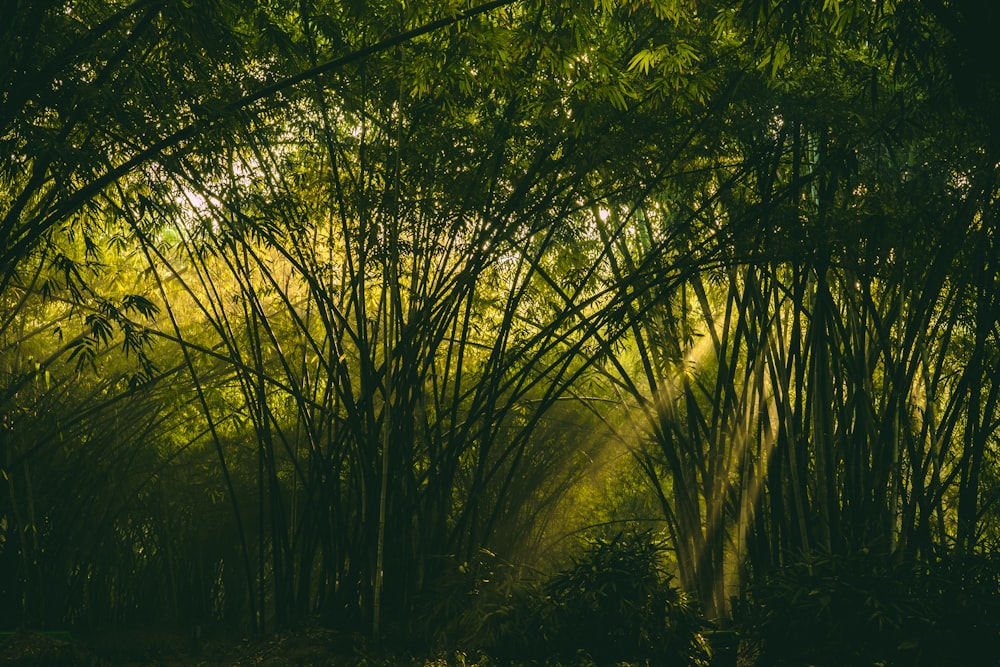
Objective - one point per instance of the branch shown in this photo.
(20, 248)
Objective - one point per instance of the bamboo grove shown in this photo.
(305, 305)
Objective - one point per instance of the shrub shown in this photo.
(864, 609)
(464, 605)
(614, 604)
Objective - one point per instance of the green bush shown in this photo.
(865, 609)
(465, 605)
(614, 604)
(962, 599)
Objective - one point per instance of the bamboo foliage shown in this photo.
(377, 286)
(802, 428)
(826, 407)
(393, 346)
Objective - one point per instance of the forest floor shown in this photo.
(309, 646)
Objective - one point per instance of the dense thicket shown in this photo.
(308, 305)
